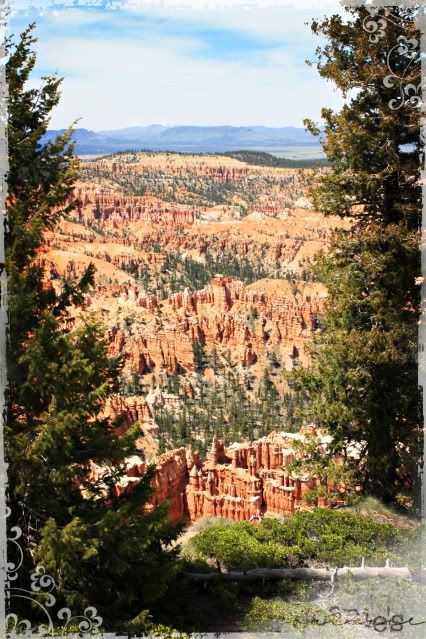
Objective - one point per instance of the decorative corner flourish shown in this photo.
(406, 49)
(41, 595)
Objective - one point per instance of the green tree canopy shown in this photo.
(362, 385)
(330, 536)
(98, 544)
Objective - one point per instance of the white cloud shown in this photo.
(281, 19)
(160, 78)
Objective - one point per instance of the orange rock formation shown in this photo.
(240, 482)
(281, 321)
(124, 412)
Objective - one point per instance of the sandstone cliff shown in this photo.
(245, 481)
(251, 321)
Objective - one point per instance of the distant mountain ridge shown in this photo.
(186, 138)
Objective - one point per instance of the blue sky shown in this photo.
(159, 63)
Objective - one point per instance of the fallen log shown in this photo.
(304, 574)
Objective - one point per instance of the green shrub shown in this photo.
(273, 614)
(327, 536)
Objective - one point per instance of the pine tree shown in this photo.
(362, 385)
(199, 354)
(100, 547)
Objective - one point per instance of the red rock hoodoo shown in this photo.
(239, 482)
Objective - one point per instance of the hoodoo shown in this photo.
(241, 482)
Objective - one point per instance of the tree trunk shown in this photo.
(390, 187)
(304, 574)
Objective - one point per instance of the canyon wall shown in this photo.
(249, 320)
(244, 481)
(104, 205)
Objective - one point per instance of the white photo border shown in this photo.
(42, 583)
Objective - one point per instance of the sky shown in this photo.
(161, 63)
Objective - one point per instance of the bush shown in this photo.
(378, 604)
(273, 614)
(326, 536)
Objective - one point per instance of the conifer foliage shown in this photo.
(362, 386)
(100, 547)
